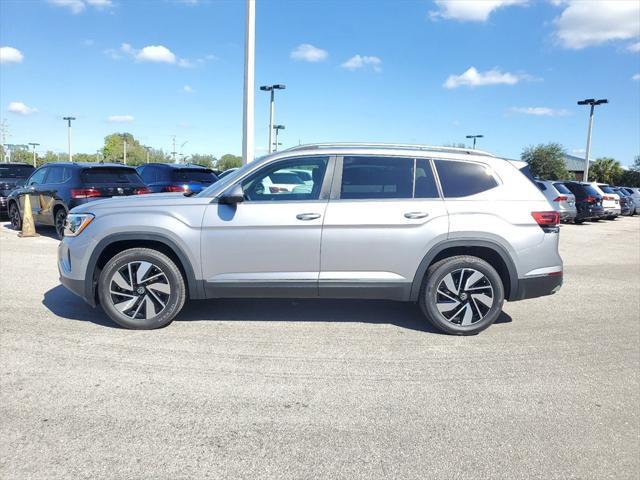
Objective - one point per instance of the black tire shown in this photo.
(171, 303)
(58, 220)
(462, 265)
(14, 217)
(578, 222)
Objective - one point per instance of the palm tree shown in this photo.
(605, 170)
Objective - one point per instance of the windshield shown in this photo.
(15, 171)
(199, 175)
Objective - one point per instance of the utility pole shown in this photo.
(474, 139)
(593, 103)
(34, 145)
(69, 119)
(277, 128)
(272, 89)
(4, 133)
(174, 149)
(182, 154)
(147, 149)
(124, 148)
(249, 76)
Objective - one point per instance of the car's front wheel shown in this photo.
(462, 295)
(14, 217)
(141, 289)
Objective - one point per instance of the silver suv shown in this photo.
(458, 231)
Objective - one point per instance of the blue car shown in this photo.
(176, 177)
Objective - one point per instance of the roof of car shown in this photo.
(388, 146)
(177, 165)
(22, 164)
(87, 164)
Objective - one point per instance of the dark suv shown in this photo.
(12, 175)
(176, 177)
(588, 201)
(56, 188)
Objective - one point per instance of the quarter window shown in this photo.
(291, 180)
(462, 179)
(425, 186)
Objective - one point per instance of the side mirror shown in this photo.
(232, 196)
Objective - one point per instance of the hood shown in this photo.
(135, 202)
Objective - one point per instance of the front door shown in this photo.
(384, 215)
(269, 243)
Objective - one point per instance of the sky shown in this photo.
(405, 71)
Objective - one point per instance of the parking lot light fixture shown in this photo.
(592, 103)
(474, 139)
(34, 145)
(276, 129)
(69, 120)
(271, 89)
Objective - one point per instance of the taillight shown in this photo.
(591, 199)
(175, 188)
(141, 191)
(277, 189)
(547, 220)
(561, 198)
(85, 193)
(606, 197)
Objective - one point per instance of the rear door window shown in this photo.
(462, 179)
(58, 174)
(103, 175)
(376, 178)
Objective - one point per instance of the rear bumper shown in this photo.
(538, 286)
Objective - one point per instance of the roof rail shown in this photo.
(398, 146)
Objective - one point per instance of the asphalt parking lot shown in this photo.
(325, 389)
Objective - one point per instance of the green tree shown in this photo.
(205, 160)
(113, 150)
(228, 161)
(605, 170)
(546, 161)
(636, 164)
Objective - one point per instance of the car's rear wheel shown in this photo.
(141, 289)
(462, 295)
(14, 217)
(60, 218)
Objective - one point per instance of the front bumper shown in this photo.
(75, 283)
(538, 286)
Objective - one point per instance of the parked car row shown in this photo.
(589, 201)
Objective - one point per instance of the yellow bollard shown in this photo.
(28, 225)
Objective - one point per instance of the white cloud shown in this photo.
(188, 89)
(79, 6)
(474, 78)
(156, 53)
(540, 111)
(470, 10)
(308, 53)
(21, 109)
(634, 47)
(360, 61)
(636, 77)
(585, 24)
(120, 119)
(10, 55)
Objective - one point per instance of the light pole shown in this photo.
(124, 148)
(592, 102)
(69, 119)
(34, 145)
(249, 79)
(474, 139)
(272, 89)
(277, 128)
(147, 149)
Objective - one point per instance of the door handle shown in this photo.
(308, 216)
(414, 215)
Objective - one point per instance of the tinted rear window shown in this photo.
(285, 178)
(462, 179)
(15, 171)
(193, 175)
(541, 186)
(606, 189)
(561, 188)
(110, 175)
(590, 190)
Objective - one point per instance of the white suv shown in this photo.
(610, 200)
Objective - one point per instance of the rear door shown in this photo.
(384, 215)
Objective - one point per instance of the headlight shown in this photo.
(76, 223)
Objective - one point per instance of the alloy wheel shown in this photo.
(139, 290)
(14, 217)
(464, 296)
